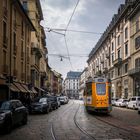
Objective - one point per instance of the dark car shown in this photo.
(41, 105)
(12, 112)
(53, 101)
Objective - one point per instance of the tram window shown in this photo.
(101, 89)
(89, 89)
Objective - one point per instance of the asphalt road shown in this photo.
(72, 122)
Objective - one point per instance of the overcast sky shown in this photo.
(90, 15)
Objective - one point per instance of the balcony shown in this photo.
(134, 71)
(5, 69)
(117, 62)
(36, 50)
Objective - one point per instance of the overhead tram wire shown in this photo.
(72, 14)
(66, 31)
(68, 51)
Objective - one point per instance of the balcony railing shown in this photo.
(134, 71)
(36, 50)
(117, 62)
(5, 69)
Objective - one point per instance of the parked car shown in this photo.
(113, 101)
(53, 101)
(64, 99)
(134, 102)
(139, 108)
(58, 101)
(41, 105)
(12, 112)
(121, 102)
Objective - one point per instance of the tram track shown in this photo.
(80, 128)
(55, 118)
(115, 125)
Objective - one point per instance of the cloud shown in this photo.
(90, 15)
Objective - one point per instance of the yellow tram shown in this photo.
(97, 95)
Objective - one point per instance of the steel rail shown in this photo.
(79, 127)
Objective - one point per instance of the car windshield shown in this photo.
(5, 106)
(61, 98)
(42, 100)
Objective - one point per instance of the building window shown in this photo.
(22, 28)
(118, 71)
(112, 74)
(5, 3)
(137, 63)
(137, 42)
(4, 33)
(25, 6)
(126, 50)
(112, 46)
(137, 25)
(14, 42)
(4, 58)
(126, 68)
(119, 54)
(126, 32)
(112, 57)
(118, 40)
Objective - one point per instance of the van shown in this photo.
(134, 102)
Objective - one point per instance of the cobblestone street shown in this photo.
(72, 122)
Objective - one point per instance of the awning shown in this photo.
(20, 87)
(27, 88)
(13, 88)
(34, 91)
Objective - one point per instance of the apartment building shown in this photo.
(114, 54)
(72, 84)
(134, 70)
(38, 45)
(56, 82)
(15, 44)
(82, 83)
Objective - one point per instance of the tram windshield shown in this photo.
(101, 89)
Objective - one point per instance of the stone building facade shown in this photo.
(116, 54)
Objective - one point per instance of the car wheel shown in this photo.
(25, 119)
(139, 112)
